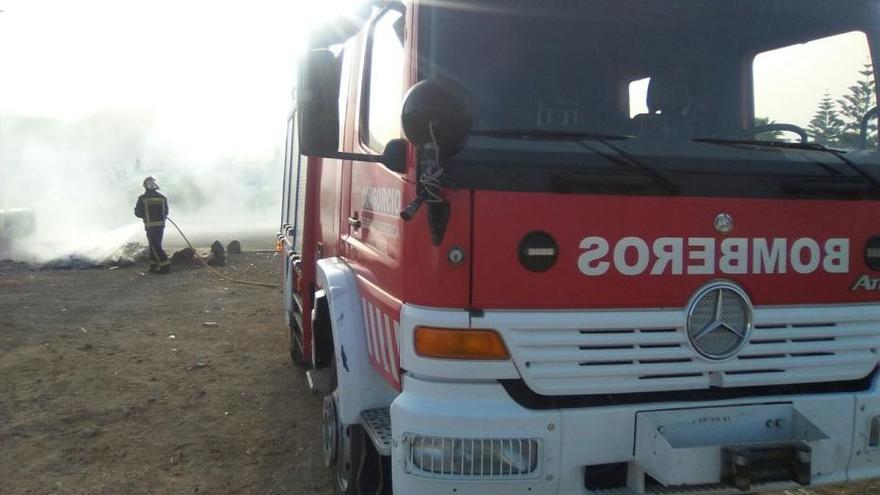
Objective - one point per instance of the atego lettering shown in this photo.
(866, 283)
(633, 256)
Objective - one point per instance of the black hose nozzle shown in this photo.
(412, 208)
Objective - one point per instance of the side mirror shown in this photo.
(317, 113)
(394, 156)
(317, 101)
(437, 112)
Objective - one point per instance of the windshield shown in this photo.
(661, 74)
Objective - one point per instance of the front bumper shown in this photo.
(835, 426)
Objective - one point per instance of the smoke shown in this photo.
(81, 178)
(195, 93)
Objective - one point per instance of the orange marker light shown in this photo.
(448, 343)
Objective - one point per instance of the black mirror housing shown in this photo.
(317, 113)
(437, 111)
(394, 157)
(317, 102)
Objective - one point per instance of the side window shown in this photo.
(285, 193)
(298, 180)
(384, 81)
(825, 87)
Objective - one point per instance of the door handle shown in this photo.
(354, 222)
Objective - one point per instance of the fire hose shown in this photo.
(211, 268)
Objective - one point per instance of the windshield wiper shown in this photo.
(797, 146)
(545, 135)
(766, 144)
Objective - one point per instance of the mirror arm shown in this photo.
(394, 157)
(357, 157)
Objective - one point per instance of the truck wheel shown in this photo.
(328, 431)
(343, 448)
(350, 458)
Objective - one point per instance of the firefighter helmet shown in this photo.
(150, 184)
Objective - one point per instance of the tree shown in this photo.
(854, 106)
(826, 127)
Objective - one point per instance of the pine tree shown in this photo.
(854, 106)
(826, 127)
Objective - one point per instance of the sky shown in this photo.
(195, 85)
(790, 82)
(217, 74)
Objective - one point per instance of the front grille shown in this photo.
(644, 351)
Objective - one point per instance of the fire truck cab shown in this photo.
(588, 246)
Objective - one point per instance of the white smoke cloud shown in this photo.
(82, 179)
(97, 94)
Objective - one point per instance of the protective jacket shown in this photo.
(152, 207)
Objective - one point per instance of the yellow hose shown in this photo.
(209, 267)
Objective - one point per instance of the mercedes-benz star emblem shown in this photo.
(724, 223)
(719, 320)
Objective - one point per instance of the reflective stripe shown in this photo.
(389, 342)
(164, 263)
(371, 327)
(380, 339)
(396, 350)
(370, 350)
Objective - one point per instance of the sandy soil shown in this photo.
(111, 383)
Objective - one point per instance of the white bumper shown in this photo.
(571, 439)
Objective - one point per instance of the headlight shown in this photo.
(495, 457)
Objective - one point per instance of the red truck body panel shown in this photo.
(572, 219)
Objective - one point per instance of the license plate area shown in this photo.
(737, 446)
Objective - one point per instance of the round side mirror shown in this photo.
(441, 106)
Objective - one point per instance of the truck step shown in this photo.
(720, 489)
(322, 381)
(683, 490)
(377, 424)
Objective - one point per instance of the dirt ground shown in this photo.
(110, 383)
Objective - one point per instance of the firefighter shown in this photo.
(152, 207)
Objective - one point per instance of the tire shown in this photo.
(329, 432)
(348, 451)
(350, 457)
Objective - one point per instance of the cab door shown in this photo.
(374, 225)
(374, 244)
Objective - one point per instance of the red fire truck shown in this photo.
(589, 246)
